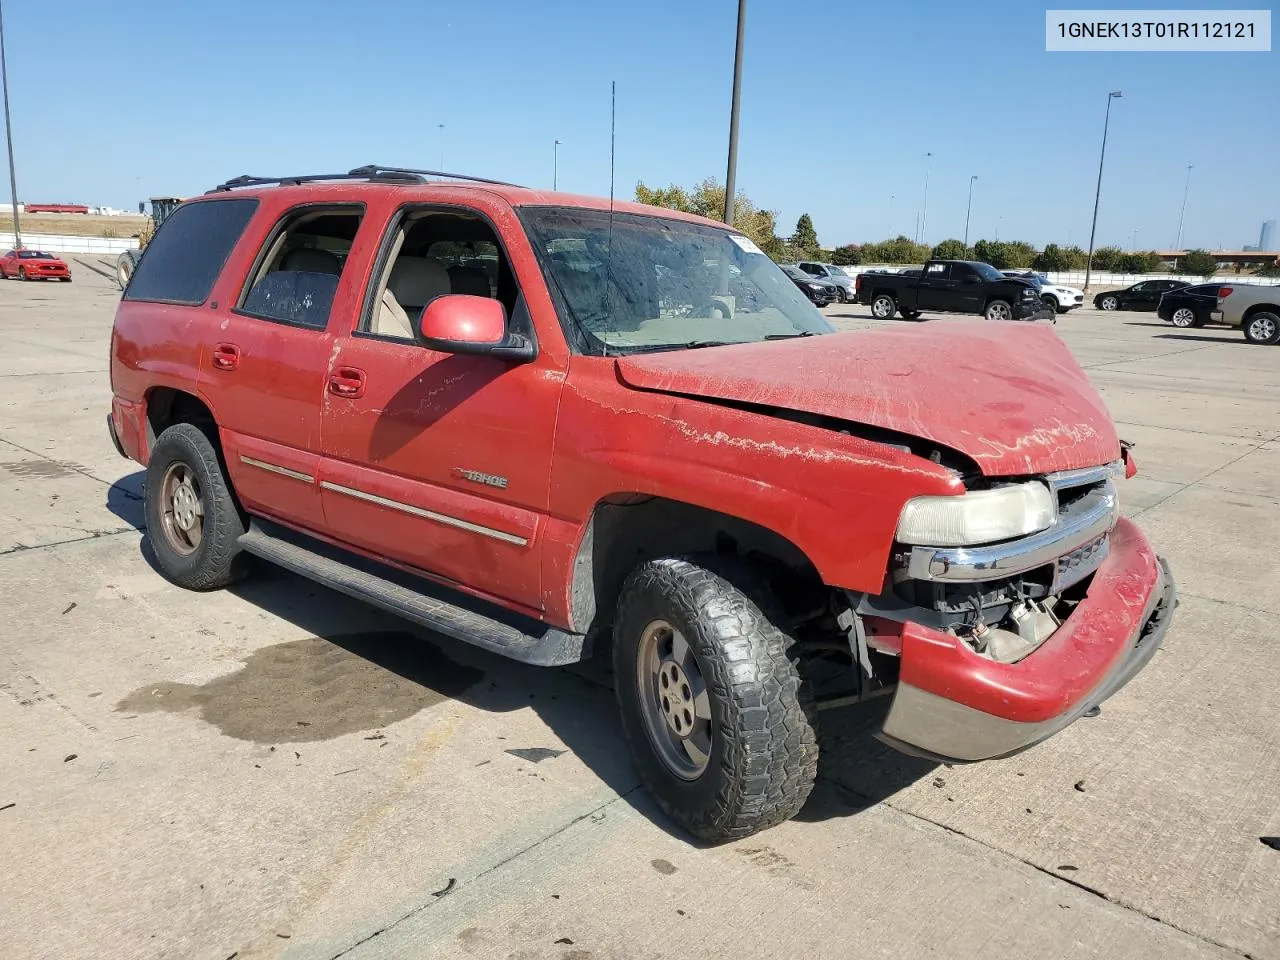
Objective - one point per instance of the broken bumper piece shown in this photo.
(954, 705)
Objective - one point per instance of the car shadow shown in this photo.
(576, 703)
(1203, 339)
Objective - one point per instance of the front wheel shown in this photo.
(713, 706)
(193, 520)
(1262, 328)
(22, 274)
(1109, 303)
(998, 310)
(1183, 317)
(1051, 303)
(883, 307)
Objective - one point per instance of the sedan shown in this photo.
(33, 265)
(1141, 296)
(820, 292)
(1190, 306)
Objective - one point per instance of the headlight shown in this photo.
(979, 516)
(815, 288)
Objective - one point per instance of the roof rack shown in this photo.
(372, 171)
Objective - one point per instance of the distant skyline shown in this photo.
(841, 104)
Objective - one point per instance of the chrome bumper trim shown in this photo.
(968, 564)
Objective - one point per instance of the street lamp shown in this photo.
(1093, 230)
(1177, 244)
(8, 136)
(731, 175)
(967, 211)
(892, 196)
(555, 165)
(924, 208)
(440, 127)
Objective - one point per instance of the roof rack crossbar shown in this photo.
(375, 169)
(390, 176)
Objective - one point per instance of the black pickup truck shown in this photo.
(951, 286)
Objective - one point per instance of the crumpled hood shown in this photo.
(1009, 395)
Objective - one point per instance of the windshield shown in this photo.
(795, 273)
(835, 271)
(34, 255)
(987, 272)
(642, 283)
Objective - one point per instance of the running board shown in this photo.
(415, 598)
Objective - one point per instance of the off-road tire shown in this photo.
(887, 306)
(217, 561)
(1258, 330)
(764, 753)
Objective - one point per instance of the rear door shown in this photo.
(266, 363)
(937, 288)
(436, 460)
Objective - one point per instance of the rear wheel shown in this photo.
(910, 314)
(1109, 303)
(883, 306)
(193, 521)
(712, 703)
(124, 269)
(1184, 317)
(1262, 328)
(998, 310)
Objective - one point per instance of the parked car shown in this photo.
(33, 265)
(951, 286)
(1189, 306)
(1060, 298)
(1141, 296)
(832, 274)
(1255, 309)
(820, 292)
(601, 450)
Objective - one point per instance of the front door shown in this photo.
(436, 460)
(937, 290)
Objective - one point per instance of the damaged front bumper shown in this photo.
(953, 704)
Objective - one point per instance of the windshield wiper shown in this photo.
(789, 336)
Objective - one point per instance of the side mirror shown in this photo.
(459, 323)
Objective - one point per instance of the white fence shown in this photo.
(108, 246)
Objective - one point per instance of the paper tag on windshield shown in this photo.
(745, 244)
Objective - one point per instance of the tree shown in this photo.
(951, 250)
(1020, 255)
(1056, 259)
(850, 255)
(1270, 269)
(1107, 258)
(1198, 263)
(1145, 262)
(898, 250)
(993, 252)
(707, 200)
(806, 237)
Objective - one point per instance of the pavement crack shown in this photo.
(489, 869)
(74, 467)
(97, 535)
(840, 788)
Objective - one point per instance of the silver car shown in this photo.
(832, 274)
(1255, 309)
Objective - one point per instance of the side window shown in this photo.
(299, 267)
(938, 271)
(187, 253)
(1143, 287)
(811, 268)
(432, 253)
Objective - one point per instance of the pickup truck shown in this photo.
(1255, 309)
(951, 286)
(559, 428)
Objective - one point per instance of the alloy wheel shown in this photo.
(674, 700)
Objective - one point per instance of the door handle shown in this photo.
(347, 382)
(226, 356)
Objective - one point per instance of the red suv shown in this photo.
(543, 423)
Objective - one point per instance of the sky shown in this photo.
(841, 101)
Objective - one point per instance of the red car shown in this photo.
(33, 265)
(543, 423)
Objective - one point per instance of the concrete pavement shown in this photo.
(275, 770)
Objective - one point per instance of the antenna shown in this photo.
(608, 250)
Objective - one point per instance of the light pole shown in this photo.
(968, 210)
(8, 136)
(924, 207)
(731, 175)
(1177, 244)
(440, 127)
(891, 199)
(555, 166)
(1093, 230)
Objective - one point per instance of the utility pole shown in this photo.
(1093, 230)
(731, 175)
(8, 136)
(891, 198)
(968, 210)
(924, 208)
(1177, 244)
(555, 166)
(440, 127)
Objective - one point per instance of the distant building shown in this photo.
(1267, 239)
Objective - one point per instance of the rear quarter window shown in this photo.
(183, 260)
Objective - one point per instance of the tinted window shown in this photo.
(987, 272)
(937, 271)
(812, 268)
(1204, 290)
(1143, 287)
(183, 260)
